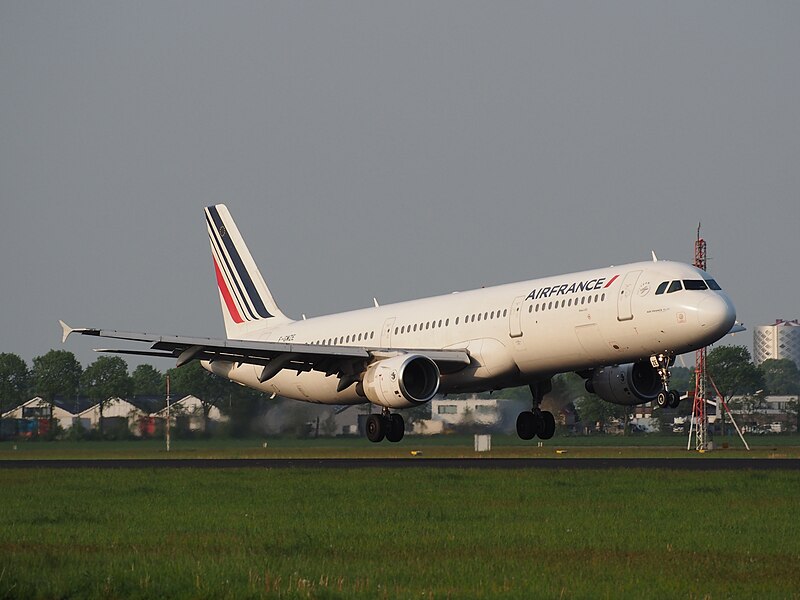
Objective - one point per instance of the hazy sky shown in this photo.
(389, 149)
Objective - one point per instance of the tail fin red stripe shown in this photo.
(226, 294)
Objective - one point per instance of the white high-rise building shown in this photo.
(781, 340)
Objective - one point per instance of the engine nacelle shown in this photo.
(629, 384)
(401, 381)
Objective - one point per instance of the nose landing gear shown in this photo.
(666, 397)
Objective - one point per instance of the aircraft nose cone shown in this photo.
(716, 315)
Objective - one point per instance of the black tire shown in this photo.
(662, 399)
(376, 428)
(548, 425)
(674, 399)
(396, 428)
(526, 425)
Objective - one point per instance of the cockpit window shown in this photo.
(694, 284)
(675, 286)
(662, 287)
(713, 285)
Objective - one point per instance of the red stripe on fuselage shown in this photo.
(610, 281)
(226, 294)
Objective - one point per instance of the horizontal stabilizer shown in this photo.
(737, 328)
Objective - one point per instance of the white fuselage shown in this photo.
(516, 333)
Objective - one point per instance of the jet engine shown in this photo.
(401, 381)
(634, 383)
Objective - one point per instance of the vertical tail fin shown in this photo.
(247, 304)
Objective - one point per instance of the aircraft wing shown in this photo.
(273, 356)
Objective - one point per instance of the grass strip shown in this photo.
(384, 533)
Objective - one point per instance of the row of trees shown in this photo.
(58, 373)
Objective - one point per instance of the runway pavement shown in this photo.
(686, 464)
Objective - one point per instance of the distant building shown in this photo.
(765, 414)
(119, 415)
(33, 418)
(186, 415)
(460, 412)
(781, 340)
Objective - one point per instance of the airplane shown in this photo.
(619, 327)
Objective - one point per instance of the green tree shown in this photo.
(210, 389)
(732, 371)
(107, 378)
(681, 379)
(593, 409)
(14, 381)
(147, 381)
(781, 376)
(56, 373)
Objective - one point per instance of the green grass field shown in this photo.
(444, 446)
(428, 533)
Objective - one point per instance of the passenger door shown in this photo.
(625, 296)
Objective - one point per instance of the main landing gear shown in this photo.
(666, 397)
(536, 421)
(385, 425)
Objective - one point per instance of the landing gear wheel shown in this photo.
(376, 428)
(662, 399)
(396, 428)
(548, 425)
(526, 425)
(674, 399)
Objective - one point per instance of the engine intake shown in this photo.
(634, 383)
(401, 381)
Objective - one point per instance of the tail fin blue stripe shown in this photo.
(232, 285)
(244, 307)
(244, 276)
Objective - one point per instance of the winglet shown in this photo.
(65, 331)
(655, 258)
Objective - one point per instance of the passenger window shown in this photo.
(485, 316)
(713, 285)
(447, 322)
(479, 317)
(440, 322)
(457, 320)
(694, 284)
(675, 286)
(505, 312)
(662, 287)
(603, 298)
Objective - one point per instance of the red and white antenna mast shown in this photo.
(699, 415)
(702, 379)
